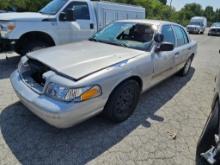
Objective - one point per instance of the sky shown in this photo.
(178, 4)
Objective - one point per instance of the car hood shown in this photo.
(193, 26)
(25, 16)
(78, 60)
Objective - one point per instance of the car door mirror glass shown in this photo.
(158, 38)
(165, 46)
(68, 15)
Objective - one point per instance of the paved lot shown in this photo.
(177, 106)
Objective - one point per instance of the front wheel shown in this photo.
(32, 46)
(123, 101)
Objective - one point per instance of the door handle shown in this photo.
(91, 26)
(177, 53)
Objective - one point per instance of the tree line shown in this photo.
(155, 9)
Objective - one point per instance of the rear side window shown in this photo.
(80, 9)
(185, 36)
(181, 35)
(168, 34)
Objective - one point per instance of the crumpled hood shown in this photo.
(78, 60)
(193, 26)
(25, 16)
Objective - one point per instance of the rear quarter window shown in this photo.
(181, 36)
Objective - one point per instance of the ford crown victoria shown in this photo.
(67, 84)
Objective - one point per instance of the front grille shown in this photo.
(215, 30)
(191, 29)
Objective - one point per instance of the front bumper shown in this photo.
(7, 45)
(56, 113)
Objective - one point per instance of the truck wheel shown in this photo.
(185, 70)
(123, 101)
(32, 46)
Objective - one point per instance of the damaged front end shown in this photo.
(33, 73)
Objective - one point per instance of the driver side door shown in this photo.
(79, 29)
(164, 61)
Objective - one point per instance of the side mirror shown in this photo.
(158, 38)
(165, 46)
(67, 15)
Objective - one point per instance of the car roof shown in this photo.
(149, 21)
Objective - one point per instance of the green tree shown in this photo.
(163, 1)
(209, 14)
(217, 15)
(188, 11)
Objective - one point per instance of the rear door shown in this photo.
(164, 61)
(183, 48)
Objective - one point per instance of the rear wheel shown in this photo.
(186, 68)
(123, 101)
(32, 46)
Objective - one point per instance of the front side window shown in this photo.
(168, 34)
(80, 10)
(53, 7)
(179, 35)
(131, 35)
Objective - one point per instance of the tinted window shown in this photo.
(168, 33)
(81, 10)
(179, 35)
(186, 39)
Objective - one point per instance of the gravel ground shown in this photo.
(163, 131)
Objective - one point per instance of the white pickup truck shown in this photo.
(60, 22)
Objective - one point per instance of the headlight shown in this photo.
(11, 27)
(7, 28)
(62, 93)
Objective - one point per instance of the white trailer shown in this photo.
(107, 12)
(60, 22)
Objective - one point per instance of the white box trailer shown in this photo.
(60, 22)
(107, 12)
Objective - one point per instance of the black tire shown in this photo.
(207, 137)
(123, 101)
(32, 46)
(185, 70)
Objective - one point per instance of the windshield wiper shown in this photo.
(92, 39)
(123, 44)
(111, 43)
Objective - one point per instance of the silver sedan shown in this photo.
(67, 84)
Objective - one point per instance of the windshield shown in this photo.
(53, 7)
(131, 35)
(217, 24)
(196, 23)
